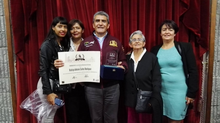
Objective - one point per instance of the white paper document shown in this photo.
(80, 66)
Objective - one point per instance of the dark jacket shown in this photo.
(148, 77)
(189, 66)
(48, 53)
(110, 45)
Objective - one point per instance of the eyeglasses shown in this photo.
(136, 39)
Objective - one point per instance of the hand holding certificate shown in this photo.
(80, 66)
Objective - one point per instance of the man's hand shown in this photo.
(119, 65)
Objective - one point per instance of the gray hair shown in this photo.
(101, 13)
(137, 32)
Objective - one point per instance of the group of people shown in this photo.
(169, 71)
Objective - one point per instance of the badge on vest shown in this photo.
(113, 43)
(89, 44)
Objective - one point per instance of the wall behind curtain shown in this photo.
(31, 20)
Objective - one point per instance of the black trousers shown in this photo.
(77, 110)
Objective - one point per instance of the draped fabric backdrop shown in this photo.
(31, 20)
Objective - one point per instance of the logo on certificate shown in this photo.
(112, 58)
(79, 57)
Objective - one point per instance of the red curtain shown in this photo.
(31, 20)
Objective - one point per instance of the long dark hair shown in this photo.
(51, 36)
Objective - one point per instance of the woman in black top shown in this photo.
(145, 67)
(57, 40)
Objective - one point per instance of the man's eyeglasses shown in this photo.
(136, 39)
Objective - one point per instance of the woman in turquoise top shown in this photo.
(179, 73)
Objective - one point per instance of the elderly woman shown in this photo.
(178, 71)
(145, 67)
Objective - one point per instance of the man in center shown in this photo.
(103, 97)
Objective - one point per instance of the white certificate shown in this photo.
(80, 66)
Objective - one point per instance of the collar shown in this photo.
(72, 46)
(100, 37)
(132, 55)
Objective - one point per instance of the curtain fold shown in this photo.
(31, 20)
